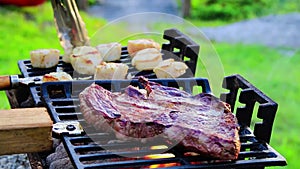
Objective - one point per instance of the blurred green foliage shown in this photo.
(239, 9)
(227, 9)
(92, 2)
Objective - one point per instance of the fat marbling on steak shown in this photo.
(201, 123)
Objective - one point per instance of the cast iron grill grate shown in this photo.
(87, 152)
(188, 52)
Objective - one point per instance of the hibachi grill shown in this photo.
(61, 100)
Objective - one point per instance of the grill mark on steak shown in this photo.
(201, 123)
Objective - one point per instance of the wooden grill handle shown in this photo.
(8, 82)
(4, 82)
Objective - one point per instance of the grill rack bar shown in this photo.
(247, 159)
(255, 152)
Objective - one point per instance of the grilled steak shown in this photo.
(201, 123)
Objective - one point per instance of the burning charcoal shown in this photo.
(64, 163)
(56, 143)
(28, 102)
(60, 148)
(54, 157)
(59, 153)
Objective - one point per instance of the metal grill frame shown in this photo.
(255, 150)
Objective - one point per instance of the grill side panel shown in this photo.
(249, 96)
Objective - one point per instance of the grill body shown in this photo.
(62, 102)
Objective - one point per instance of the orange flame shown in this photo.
(164, 165)
(159, 156)
(158, 147)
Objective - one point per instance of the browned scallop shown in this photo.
(85, 59)
(111, 71)
(133, 46)
(147, 59)
(44, 58)
(56, 76)
(110, 51)
(170, 69)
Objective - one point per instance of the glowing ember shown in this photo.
(191, 154)
(159, 147)
(159, 156)
(164, 165)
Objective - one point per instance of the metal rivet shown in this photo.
(36, 79)
(70, 127)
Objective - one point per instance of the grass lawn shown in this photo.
(270, 70)
(276, 75)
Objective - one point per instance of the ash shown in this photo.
(17, 161)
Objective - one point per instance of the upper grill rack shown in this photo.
(63, 105)
(177, 40)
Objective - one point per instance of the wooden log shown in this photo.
(25, 131)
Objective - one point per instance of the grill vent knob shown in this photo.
(70, 127)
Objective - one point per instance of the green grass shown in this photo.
(239, 10)
(277, 76)
(273, 72)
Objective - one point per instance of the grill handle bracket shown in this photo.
(249, 96)
(66, 128)
(9, 82)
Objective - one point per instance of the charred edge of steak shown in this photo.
(204, 144)
(145, 83)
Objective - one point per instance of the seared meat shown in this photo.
(201, 123)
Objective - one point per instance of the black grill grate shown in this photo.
(63, 105)
(177, 40)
